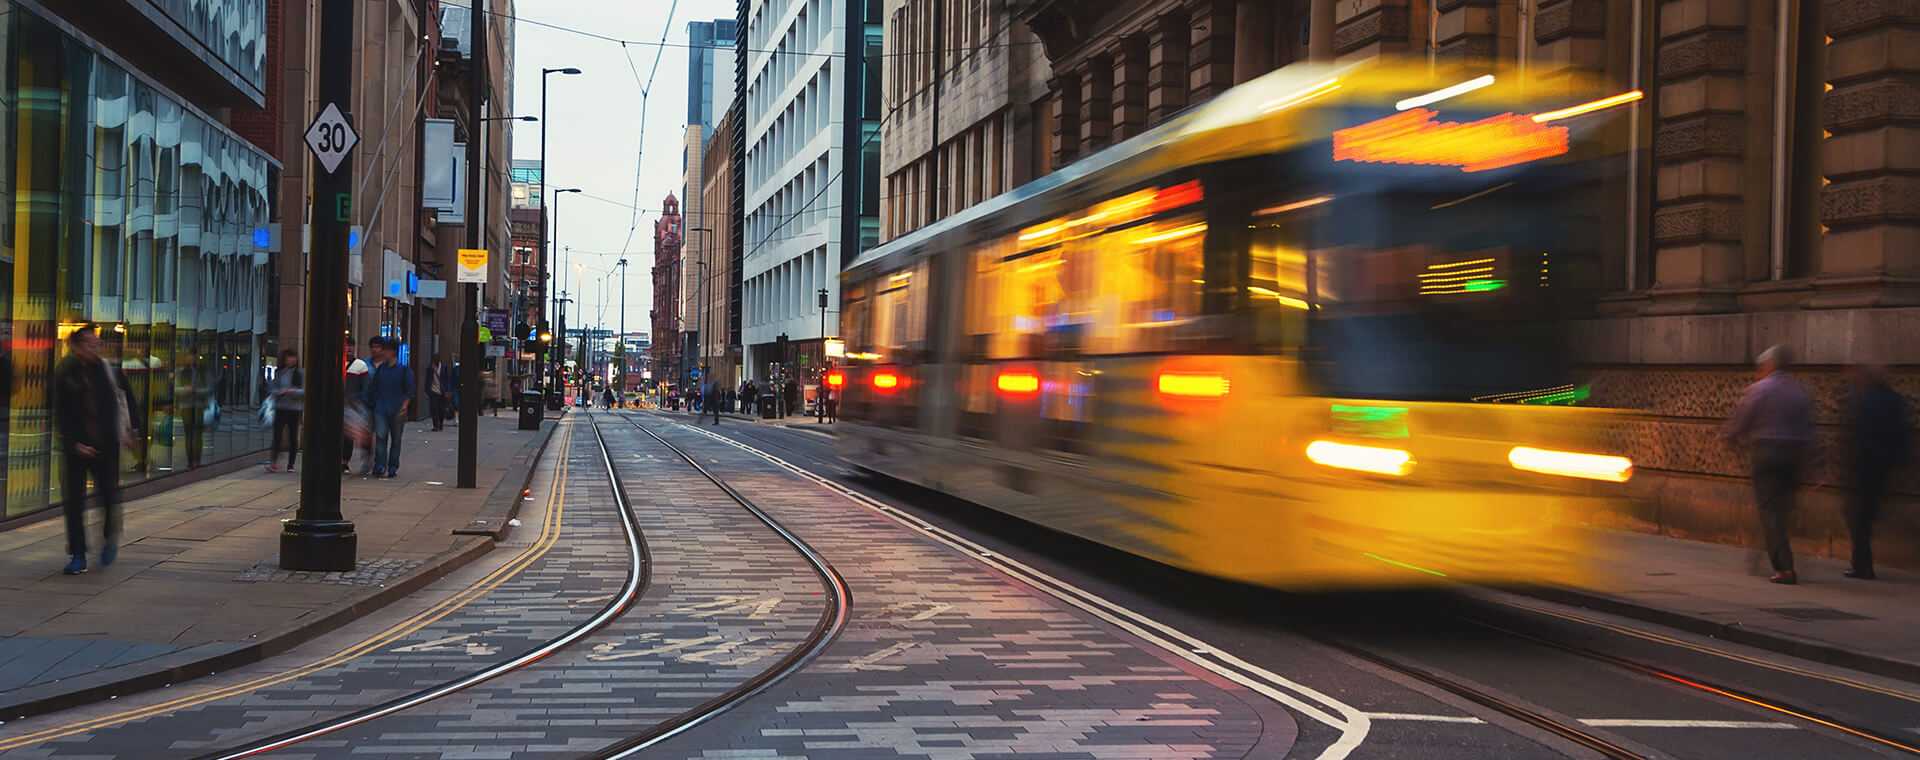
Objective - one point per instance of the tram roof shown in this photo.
(1265, 115)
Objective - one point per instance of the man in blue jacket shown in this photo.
(388, 394)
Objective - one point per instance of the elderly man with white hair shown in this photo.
(1775, 421)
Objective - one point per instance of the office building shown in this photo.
(812, 169)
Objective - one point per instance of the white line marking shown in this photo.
(1425, 718)
(1657, 723)
(1353, 729)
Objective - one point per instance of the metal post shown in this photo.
(820, 404)
(622, 344)
(470, 356)
(539, 356)
(319, 537)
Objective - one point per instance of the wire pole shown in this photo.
(319, 537)
(470, 325)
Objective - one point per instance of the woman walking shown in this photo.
(289, 397)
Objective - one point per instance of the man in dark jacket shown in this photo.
(90, 413)
(1879, 440)
(388, 395)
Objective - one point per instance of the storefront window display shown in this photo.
(138, 215)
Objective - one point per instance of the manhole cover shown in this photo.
(1813, 614)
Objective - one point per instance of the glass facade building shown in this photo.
(134, 212)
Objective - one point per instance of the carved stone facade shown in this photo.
(1773, 195)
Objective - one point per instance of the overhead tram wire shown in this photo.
(640, 153)
(662, 43)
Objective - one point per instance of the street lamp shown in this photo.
(621, 344)
(539, 368)
(702, 359)
(510, 118)
(559, 275)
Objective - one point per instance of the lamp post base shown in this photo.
(318, 545)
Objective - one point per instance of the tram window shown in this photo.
(1277, 292)
(853, 319)
(1135, 289)
(898, 323)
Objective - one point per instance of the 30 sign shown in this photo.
(331, 138)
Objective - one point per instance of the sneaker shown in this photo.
(375, 473)
(273, 468)
(393, 474)
(77, 565)
(108, 555)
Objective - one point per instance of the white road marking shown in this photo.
(1425, 718)
(755, 608)
(1352, 724)
(458, 642)
(868, 661)
(1657, 723)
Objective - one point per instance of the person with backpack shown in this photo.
(288, 395)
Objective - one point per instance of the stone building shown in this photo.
(1769, 198)
(665, 315)
(713, 247)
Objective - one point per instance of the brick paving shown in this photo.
(943, 658)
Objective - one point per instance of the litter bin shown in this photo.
(530, 411)
(765, 405)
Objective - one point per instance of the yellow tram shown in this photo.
(1309, 334)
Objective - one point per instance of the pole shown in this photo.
(623, 332)
(539, 357)
(470, 326)
(820, 404)
(559, 309)
(319, 538)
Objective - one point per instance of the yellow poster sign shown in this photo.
(473, 265)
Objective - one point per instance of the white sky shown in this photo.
(594, 129)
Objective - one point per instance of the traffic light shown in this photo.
(523, 331)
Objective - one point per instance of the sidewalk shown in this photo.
(198, 589)
(1715, 590)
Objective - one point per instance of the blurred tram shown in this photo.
(1310, 334)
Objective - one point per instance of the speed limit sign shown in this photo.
(331, 137)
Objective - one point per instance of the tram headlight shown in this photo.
(1378, 460)
(1613, 469)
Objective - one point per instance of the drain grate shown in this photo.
(1813, 614)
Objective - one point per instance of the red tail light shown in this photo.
(836, 379)
(885, 381)
(1018, 383)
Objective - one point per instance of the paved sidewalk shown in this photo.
(1719, 590)
(197, 587)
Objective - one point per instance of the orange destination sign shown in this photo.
(1418, 137)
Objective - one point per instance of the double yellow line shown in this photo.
(549, 535)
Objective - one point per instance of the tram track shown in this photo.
(1701, 670)
(638, 575)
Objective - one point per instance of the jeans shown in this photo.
(386, 442)
(437, 405)
(1776, 481)
(288, 420)
(104, 467)
(1869, 489)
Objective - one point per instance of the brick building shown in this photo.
(1769, 195)
(666, 350)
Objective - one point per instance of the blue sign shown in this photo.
(393, 288)
(353, 238)
(262, 237)
(413, 283)
(406, 354)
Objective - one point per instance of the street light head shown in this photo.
(570, 71)
(529, 118)
(567, 190)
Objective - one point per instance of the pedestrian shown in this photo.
(91, 400)
(387, 398)
(439, 381)
(288, 394)
(1775, 420)
(793, 396)
(746, 397)
(606, 398)
(356, 427)
(1879, 441)
(712, 392)
(825, 401)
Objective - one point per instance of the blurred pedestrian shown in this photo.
(606, 398)
(746, 396)
(387, 397)
(288, 394)
(356, 427)
(1879, 441)
(1775, 420)
(710, 388)
(439, 382)
(91, 399)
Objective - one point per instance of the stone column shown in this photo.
(1467, 29)
(1129, 86)
(1370, 28)
(1166, 67)
(1096, 102)
(1066, 119)
(1211, 66)
(1698, 148)
(1253, 39)
(1571, 35)
(1871, 208)
(1320, 27)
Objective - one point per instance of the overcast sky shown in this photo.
(594, 131)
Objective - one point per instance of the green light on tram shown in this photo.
(1370, 421)
(1478, 286)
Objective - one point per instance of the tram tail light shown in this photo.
(1346, 456)
(1018, 383)
(1187, 385)
(885, 381)
(836, 379)
(1613, 469)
